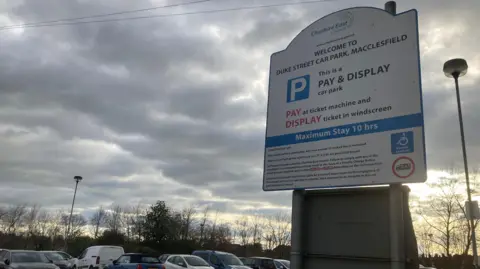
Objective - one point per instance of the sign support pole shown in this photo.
(397, 232)
(296, 254)
(397, 239)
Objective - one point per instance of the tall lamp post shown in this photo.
(77, 180)
(456, 68)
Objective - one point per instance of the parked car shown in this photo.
(136, 261)
(260, 263)
(220, 260)
(64, 254)
(58, 260)
(279, 263)
(163, 258)
(186, 262)
(13, 259)
(67, 257)
(99, 257)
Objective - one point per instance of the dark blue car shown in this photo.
(136, 261)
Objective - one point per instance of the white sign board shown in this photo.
(345, 104)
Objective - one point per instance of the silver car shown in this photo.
(62, 261)
(20, 259)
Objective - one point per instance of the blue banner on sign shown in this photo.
(360, 128)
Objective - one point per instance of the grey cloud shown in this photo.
(183, 85)
(278, 27)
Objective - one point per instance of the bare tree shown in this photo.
(3, 213)
(268, 239)
(214, 226)
(442, 214)
(13, 217)
(203, 223)
(77, 224)
(256, 228)
(243, 230)
(132, 221)
(30, 220)
(44, 220)
(277, 229)
(234, 233)
(223, 234)
(424, 237)
(136, 221)
(270, 235)
(98, 220)
(127, 213)
(187, 219)
(56, 227)
(114, 220)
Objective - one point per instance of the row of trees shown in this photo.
(442, 229)
(161, 223)
(159, 228)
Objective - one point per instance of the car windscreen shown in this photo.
(267, 263)
(54, 256)
(65, 255)
(143, 259)
(279, 265)
(195, 261)
(229, 259)
(286, 263)
(28, 257)
(164, 257)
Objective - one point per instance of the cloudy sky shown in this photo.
(173, 108)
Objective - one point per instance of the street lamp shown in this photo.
(456, 68)
(77, 180)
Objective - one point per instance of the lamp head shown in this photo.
(455, 68)
(77, 178)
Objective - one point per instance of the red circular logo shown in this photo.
(403, 167)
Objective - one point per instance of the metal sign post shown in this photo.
(296, 255)
(397, 230)
(397, 236)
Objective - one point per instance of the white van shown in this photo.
(98, 257)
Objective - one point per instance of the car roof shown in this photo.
(20, 250)
(100, 246)
(265, 258)
(210, 251)
(139, 254)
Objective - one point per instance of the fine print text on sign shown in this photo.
(345, 104)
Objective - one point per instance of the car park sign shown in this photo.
(345, 104)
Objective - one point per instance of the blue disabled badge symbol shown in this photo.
(402, 142)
